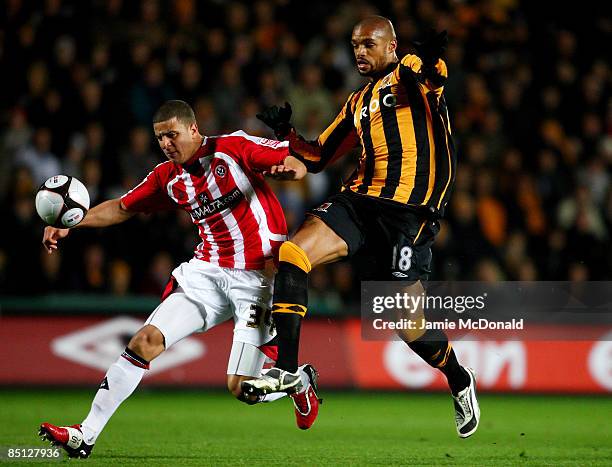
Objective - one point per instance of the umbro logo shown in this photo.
(98, 345)
(399, 274)
(323, 208)
(104, 384)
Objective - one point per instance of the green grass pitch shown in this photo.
(211, 428)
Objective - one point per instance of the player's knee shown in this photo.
(294, 254)
(320, 243)
(147, 343)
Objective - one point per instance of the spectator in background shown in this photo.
(15, 137)
(311, 102)
(189, 86)
(38, 158)
(137, 160)
(529, 98)
(157, 274)
(207, 118)
(150, 92)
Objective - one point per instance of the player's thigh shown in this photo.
(409, 249)
(205, 284)
(320, 243)
(249, 294)
(331, 231)
(178, 316)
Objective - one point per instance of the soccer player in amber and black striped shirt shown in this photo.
(390, 205)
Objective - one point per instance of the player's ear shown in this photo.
(193, 129)
(392, 45)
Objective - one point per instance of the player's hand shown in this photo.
(291, 169)
(278, 119)
(50, 237)
(432, 47)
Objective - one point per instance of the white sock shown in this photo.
(273, 396)
(121, 379)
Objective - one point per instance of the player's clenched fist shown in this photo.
(50, 237)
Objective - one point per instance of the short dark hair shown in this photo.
(175, 108)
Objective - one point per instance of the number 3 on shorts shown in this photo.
(404, 261)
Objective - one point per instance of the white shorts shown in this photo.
(209, 295)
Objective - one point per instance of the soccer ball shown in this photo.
(62, 201)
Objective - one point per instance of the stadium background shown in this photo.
(529, 94)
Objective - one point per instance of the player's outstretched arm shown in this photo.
(109, 212)
(104, 214)
(337, 140)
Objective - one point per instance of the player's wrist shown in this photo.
(282, 130)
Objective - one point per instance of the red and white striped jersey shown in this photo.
(239, 219)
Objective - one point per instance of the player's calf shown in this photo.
(148, 342)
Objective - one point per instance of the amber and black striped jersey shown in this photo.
(402, 123)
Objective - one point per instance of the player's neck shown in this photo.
(385, 71)
(201, 141)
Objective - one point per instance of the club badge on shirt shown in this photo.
(220, 170)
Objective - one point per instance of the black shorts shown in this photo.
(391, 242)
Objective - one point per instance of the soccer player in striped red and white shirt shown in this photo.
(220, 182)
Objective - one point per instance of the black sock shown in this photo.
(289, 306)
(288, 334)
(434, 348)
(458, 379)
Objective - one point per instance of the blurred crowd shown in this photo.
(529, 95)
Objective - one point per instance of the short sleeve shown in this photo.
(148, 196)
(260, 154)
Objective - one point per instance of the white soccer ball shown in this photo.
(62, 201)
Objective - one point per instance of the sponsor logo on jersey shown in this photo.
(399, 274)
(268, 142)
(388, 100)
(209, 207)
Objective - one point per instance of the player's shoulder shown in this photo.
(240, 137)
(164, 166)
(164, 169)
